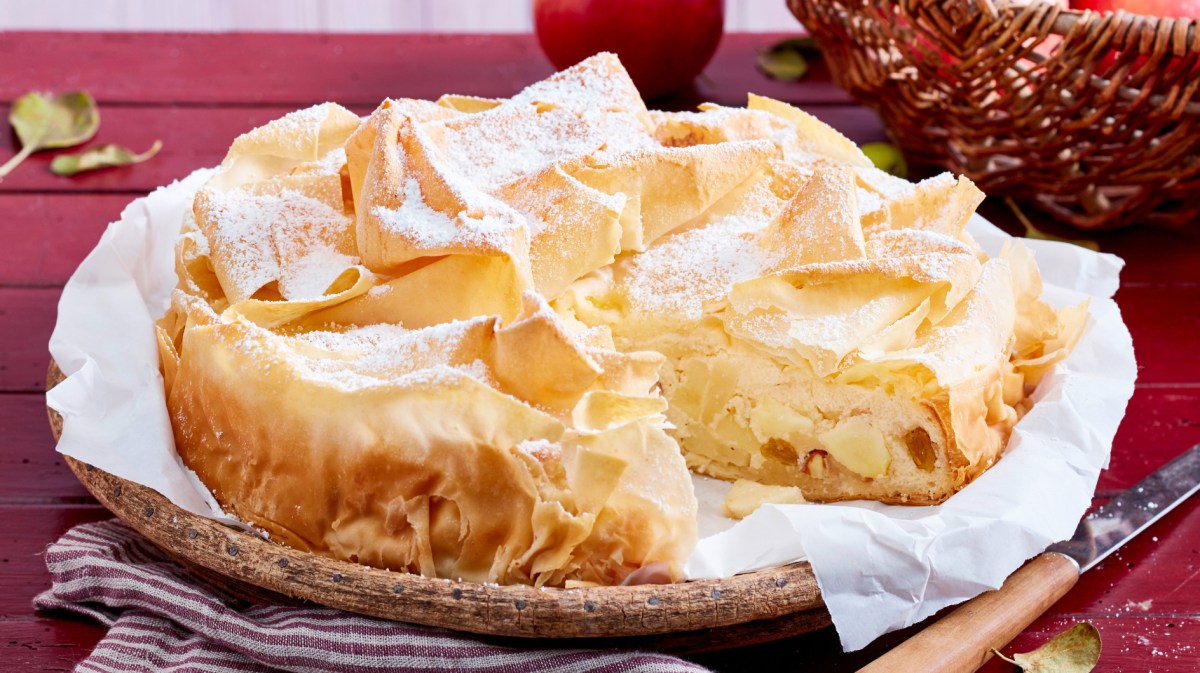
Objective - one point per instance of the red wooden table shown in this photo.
(197, 92)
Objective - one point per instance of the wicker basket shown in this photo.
(1094, 119)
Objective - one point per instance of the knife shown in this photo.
(963, 640)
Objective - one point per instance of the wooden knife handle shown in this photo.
(963, 640)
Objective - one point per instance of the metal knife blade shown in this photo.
(1133, 510)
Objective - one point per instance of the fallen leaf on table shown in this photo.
(50, 121)
(1075, 650)
(101, 156)
(785, 60)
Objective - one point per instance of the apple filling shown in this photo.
(739, 415)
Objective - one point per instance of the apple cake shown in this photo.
(487, 339)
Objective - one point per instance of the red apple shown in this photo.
(1182, 9)
(663, 44)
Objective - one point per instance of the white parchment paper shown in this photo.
(880, 567)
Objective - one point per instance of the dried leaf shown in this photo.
(886, 157)
(101, 156)
(1075, 650)
(48, 121)
(785, 60)
(54, 121)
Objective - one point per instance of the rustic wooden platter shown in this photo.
(686, 617)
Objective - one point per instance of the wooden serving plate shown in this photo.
(685, 617)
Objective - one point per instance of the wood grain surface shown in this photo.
(240, 70)
(195, 91)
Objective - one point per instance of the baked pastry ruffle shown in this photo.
(486, 339)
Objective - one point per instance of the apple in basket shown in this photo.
(1181, 9)
(663, 44)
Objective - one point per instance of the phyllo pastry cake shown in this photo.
(361, 361)
(486, 338)
(832, 328)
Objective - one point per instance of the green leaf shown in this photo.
(886, 157)
(53, 121)
(1075, 650)
(49, 121)
(101, 156)
(785, 60)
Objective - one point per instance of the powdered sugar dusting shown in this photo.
(592, 109)
(332, 162)
(541, 450)
(390, 354)
(681, 272)
(423, 227)
(598, 84)
(884, 184)
(289, 238)
(293, 133)
(414, 220)
(308, 276)
(520, 142)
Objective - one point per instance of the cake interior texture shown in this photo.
(490, 339)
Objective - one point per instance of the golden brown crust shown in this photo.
(439, 340)
(837, 330)
(432, 471)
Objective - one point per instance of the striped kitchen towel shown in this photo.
(160, 618)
